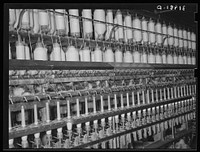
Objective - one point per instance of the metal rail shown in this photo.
(31, 129)
(70, 65)
(28, 81)
(127, 131)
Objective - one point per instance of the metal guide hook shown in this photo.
(25, 99)
(29, 39)
(63, 86)
(52, 39)
(60, 41)
(48, 96)
(79, 93)
(81, 47)
(87, 92)
(37, 98)
(60, 94)
(69, 94)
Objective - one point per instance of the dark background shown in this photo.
(186, 18)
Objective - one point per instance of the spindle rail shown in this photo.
(70, 65)
(128, 131)
(31, 129)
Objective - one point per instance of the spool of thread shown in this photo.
(180, 59)
(144, 57)
(56, 52)
(122, 101)
(143, 97)
(60, 22)
(133, 99)
(115, 101)
(176, 35)
(175, 59)
(40, 53)
(164, 59)
(136, 57)
(47, 112)
(116, 31)
(128, 31)
(127, 99)
(20, 53)
(120, 22)
(25, 22)
(109, 19)
(164, 31)
(109, 55)
(23, 123)
(26, 51)
(99, 28)
(52, 23)
(86, 54)
(109, 105)
(151, 28)
(62, 53)
(145, 37)
(185, 43)
(158, 58)
(72, 54)
(118, 56)
(44, 20)
(125, 37)
(92, 56)
(169, 59)
(158, 29)
(151, 58)
(68, 109)
(35, 115)
(137, 34)
(138, 98)
(184, 59)
(36, 21)
(102, 105)
(58, 110)
(152, 96)
(180, 35)
(87, 24)
(94, 104)
(86, 106)
(148, 100)
(193, 38)
(128, 58)
(11, 18)
(98, 56)
(77, 105)
(171, 34)
(74, 22)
